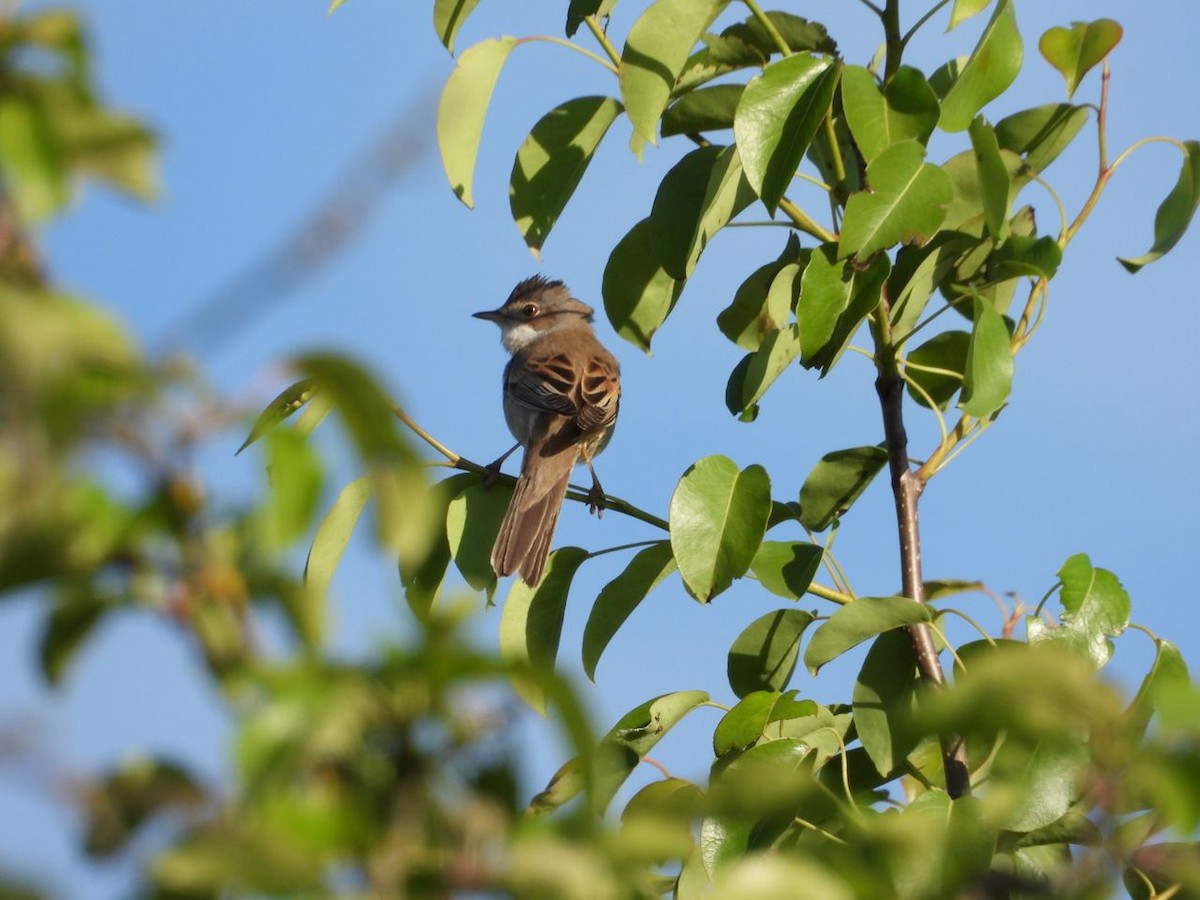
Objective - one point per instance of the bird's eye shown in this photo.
(530, 310)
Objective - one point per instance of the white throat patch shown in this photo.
(517, 335)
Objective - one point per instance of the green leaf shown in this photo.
(987, 380)
(905, 204)
(118, 803)
(295, 475)
(463, 107)
(787, 568)
(695, 200)
(718, 516)
(656, 50)
(448, 18)
(1075, 51)
(638, 292)
(31, 161)
(423, 580)
(798, 33)
(946, 351)
(1168, 671)
(704, 109)
(835, 298)
(77, 610)
(906, 109)
(333, 5)
(764, 301)
(551, 161)
(749, 381)
(883, 698)
(743, 725)
(620, 597)
(853, 623)
(1042, 133)
(776, 118)
(1025, 256)
(1176, 211)
(763, 657)
(473, 520)
(993, 177)
(333, 536)
(917, 273)
(1093, 600)
(1048, 786)
(532, 620)
(988, 73)
(289, 400)
(836, 482)
(581, 9)
(965, 9)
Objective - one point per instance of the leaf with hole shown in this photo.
(906, 203)
(836, 482)
(463, 108)
(763, 657)
(1077, 50)
(718, 516)
(638, 292)
(551, 162)
(776, 118)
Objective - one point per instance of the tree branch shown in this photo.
(907, 486)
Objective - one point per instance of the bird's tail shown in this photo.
(523, 542)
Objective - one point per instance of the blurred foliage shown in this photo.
(398, 774)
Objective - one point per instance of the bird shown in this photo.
(562, 391)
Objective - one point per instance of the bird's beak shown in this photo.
(492, 315)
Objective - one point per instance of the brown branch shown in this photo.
(907, 486)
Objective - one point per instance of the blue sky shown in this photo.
(261, 106)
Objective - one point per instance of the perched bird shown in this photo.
(562, 389)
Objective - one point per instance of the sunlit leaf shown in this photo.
(704, 109)
(294, 474)
(333, 535)
(463, 107)
(551, 162)
(786, 568)
(472, 522)
(906, 109)
(776, 118)
(620, 597)
(655, 52)
(965, 9)
(718, 517)
(835, 298)
(836, 482)
(749, 382)
(988, 73)
(763, 657)
(1042, 133)
(695, 200)
(853, 623)
(532, 619)
(289, 400)
(31, 163)
(764, 301)
(1175, 214)
(638, 292)
(1050, 783)
(1168, 669)
(1075, 51)
(905, 204)
(423, 580)
(448, 18)
(987, 380)
(993, 177)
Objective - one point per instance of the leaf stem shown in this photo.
(819, 590)
(933, 11)
(804, 223)
(602, 39)
(570, 45)
(593, 554)
(765, 21)
(835, 149)
(890, 16)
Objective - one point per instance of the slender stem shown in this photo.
(835, 149)
(819, 590)
(908, 35)
(1050, 593)
(817, 181)
(1062, 210)
(929, 401)
(570, 45)
(872, 7)
(765, 21)
(907, 486)
(602, 38)
(621, 547)
(804, 223)
(1102, 116)
(950, 610)
(456, 461)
